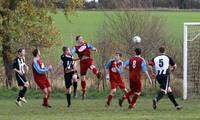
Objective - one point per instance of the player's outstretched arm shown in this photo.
(107, 66)
(76, 59)
(144, 70)
(73, 51)
(90, 46)
(149, 78)
(126, 65)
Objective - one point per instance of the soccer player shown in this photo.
(70, 72)
(114, 69)
(136, 64)
(82, 49)
(39, 74)
(19, 66)
(162, 64)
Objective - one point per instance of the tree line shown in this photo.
(129, 4)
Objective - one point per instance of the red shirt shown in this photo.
(38, 76)
(83, 50)
(114, 74)
(135, 68)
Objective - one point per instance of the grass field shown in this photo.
(95, 110)
(87, 24)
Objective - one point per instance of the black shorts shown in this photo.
(21, 79)
(164, 81)
(68, 79)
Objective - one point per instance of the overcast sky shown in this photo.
(90, 0)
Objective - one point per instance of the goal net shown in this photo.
(191, 60)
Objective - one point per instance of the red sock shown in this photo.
(45, 101)
(83, 85)
(48, 96)
(109, 98)
(126, 96)
(95, 71)
(134, 100)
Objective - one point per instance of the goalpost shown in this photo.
(191, 60)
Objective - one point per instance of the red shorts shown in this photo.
(120, 84)
(85, 65)
(135, 86)
(42, 83)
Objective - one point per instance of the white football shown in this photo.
(136, 39)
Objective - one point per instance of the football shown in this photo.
(136, 39)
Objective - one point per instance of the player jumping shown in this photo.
(114, 69)
(18, 66)
(162, 64)
(82, 49)
(70, 72)
(136, 64)
(39, 74)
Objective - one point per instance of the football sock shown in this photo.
(126, 96)
(160, 95)
(95, 71)
(109, 98)
(23, 91)
(134, 100)
(75, 85)
(45, 101)
(83, 85)
(172, 99)
(68, 95)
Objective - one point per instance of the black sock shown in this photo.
(18, 98)
(24, 91)
(160, 95)
(20, 95)
(75, 85)
(68, 99)
(172, 99)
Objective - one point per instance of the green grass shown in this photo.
(60, 93)
(94, 110)
(87, 23)
(175, 20)
(82, 23)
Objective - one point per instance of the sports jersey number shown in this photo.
(134, 64)
(161, 63)
(82, 48)
(113, 69)
(69, 65)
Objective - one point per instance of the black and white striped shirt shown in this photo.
(67, 61)
(19, 64)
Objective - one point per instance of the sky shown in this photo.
(90, 0)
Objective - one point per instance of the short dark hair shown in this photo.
(77, 37)
(138, 51)
(119, 53)
(162, 49)
(64, 48)
(20, 50)
(35, 52)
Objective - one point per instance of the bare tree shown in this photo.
(119, 28)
